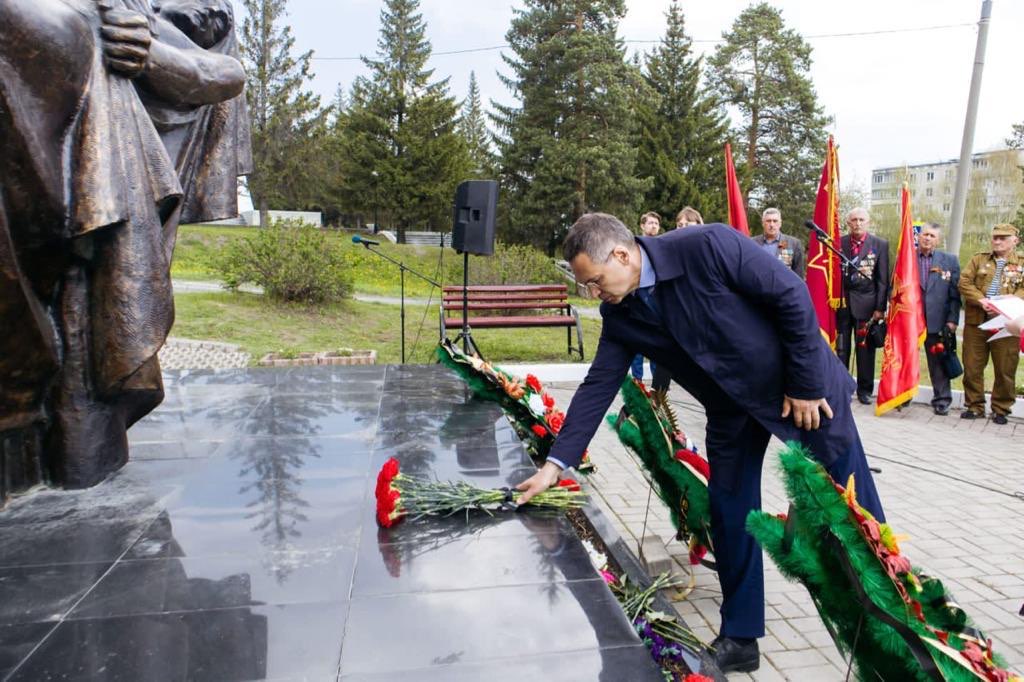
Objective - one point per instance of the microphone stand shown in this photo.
(847, 267)
(402, 268)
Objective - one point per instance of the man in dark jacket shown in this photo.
(738, 331)
(787, 249)
(940, 277)
(867, 294)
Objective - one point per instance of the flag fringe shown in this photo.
(895, 402)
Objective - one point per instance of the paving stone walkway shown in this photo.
(188, 354)
(947, 483)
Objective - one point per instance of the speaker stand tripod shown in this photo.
(466, 334)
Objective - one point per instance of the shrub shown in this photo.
(290, 260)
(510, 264)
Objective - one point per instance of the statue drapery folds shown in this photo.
(117, 121)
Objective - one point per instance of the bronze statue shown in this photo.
(117, 120)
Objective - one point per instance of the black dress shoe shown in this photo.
(968, 414)
(941, 411)
(864, 399)
(736, 656)
(999, 419)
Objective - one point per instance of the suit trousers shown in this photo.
(737, 554)
(942, 396)
(846, 327)
(1005, 357)
(661, 375)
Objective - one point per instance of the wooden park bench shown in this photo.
(512, 306)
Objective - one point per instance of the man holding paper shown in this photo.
(999, 272)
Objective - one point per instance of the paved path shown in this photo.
(947, 483)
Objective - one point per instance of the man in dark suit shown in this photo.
(940, 277)
(867, 294)
(787, 249)
(738, 331)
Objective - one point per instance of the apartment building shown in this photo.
(996, 187)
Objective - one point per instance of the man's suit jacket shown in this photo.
(866, 295)
(790, 248)
(738, 331)
(941, 292)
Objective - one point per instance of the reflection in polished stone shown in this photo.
(241, 545)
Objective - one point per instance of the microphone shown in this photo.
(356, 239)
(822, 235)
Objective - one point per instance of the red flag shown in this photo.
(823, 272)
(901, 363)
(737, 209)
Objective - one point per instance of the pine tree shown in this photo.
(473, 129)
(683, 130)
(402, 154)
(763, 69)
(569, 148)
(287, 121)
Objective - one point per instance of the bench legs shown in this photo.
(579, 333)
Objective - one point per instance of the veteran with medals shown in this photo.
(997, 272)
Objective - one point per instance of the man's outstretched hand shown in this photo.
(545, 477)
(806, 414)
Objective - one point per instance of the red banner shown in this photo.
(901, 362)
(737, 209)
(823, 271)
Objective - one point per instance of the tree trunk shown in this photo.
(264, 212)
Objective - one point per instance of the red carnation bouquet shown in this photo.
(400, 495)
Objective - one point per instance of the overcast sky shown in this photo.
(897, 97)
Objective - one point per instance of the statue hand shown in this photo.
(126, 40)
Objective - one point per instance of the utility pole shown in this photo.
(963, 174)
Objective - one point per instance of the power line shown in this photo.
(819, 36)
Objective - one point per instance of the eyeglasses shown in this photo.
(593, 284)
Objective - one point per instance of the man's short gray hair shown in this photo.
(935, 227)
(855, 210)
(596, 234)
(771, 211)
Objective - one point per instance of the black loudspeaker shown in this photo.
(476, 203)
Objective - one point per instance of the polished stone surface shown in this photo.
(240, 544)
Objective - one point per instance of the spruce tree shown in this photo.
(683, 130)
(763, 69)
(402, 154)
(473, 129)
(569, 147)
(288, 124)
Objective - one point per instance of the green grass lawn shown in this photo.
(198, 245)
(260, 327)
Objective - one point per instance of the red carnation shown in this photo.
(539, 430)
(549, 402)
(389, 509)
(696, 461)
(534, 383)
(697, 553)
(569, 484)
(555, 420)
(694, 677)
(387, 473)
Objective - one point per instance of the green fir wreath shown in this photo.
(647, 426)
(896, 622)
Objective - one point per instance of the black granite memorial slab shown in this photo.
(240, 543)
